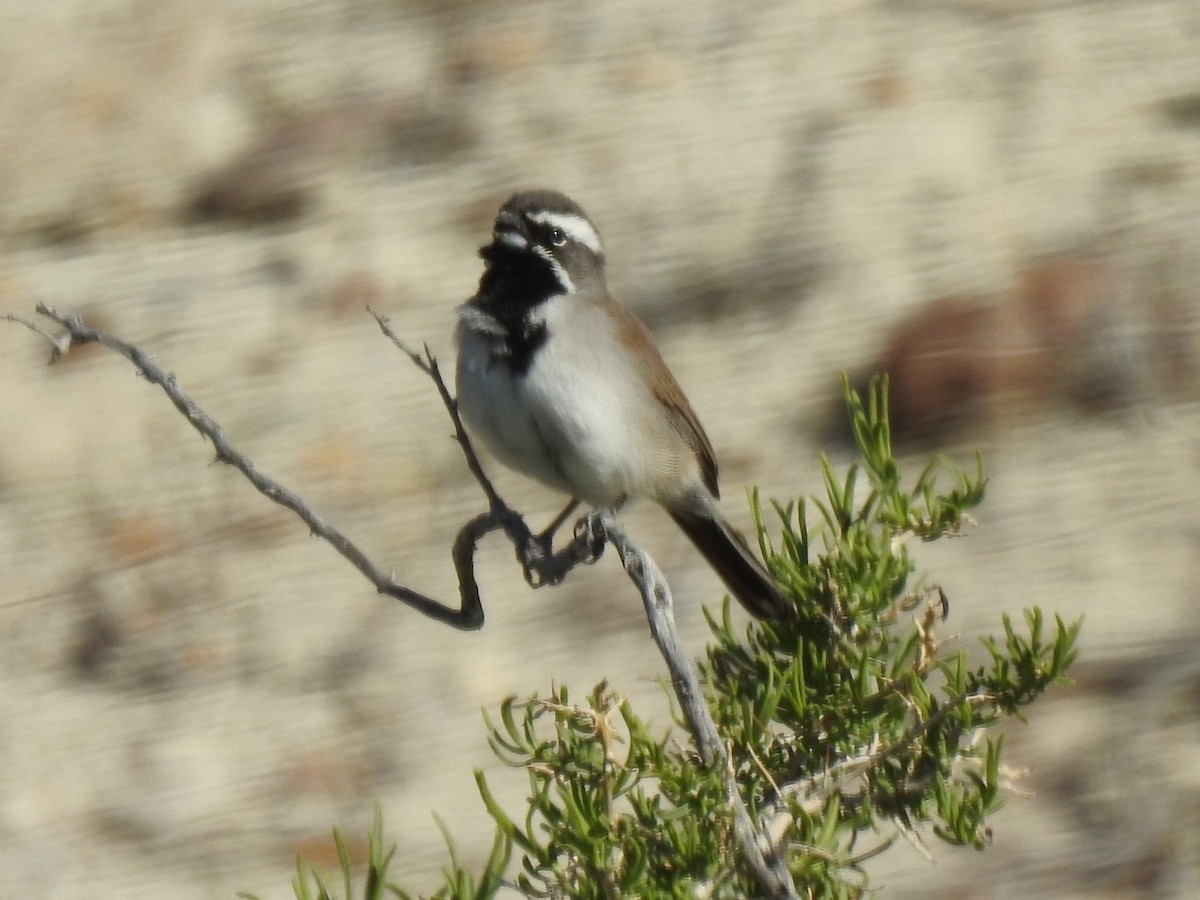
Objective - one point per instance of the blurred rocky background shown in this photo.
(996, 200)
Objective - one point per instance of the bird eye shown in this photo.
(558, 237)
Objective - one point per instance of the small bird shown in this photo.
(566, 386)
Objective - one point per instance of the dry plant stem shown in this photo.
(428, 364)
(766, 866)
(468, 617)
(542, 566)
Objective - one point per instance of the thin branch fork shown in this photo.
(469, 616)
(534, 551)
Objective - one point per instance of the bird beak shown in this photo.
(510, 230)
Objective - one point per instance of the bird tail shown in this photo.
(732, 559)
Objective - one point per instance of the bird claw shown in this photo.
(537, 562)
(590, 537)
(542, 566)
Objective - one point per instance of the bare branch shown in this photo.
(59, 345)
(428, 364)
(468, 617)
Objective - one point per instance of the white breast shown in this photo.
(577, 419)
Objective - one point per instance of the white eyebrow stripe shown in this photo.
(577, 228)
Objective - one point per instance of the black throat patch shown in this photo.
(514, 284)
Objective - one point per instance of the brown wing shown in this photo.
(666, 389)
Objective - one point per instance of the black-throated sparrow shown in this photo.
(564, 385)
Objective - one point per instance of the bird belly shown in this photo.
(565, 421)
(584, 416)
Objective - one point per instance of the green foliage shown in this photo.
(309, 884)
(846, 727)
